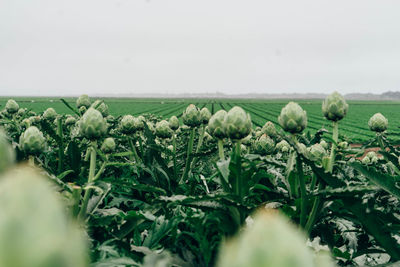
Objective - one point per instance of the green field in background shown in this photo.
(354, 125)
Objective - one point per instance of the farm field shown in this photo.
(354, 125)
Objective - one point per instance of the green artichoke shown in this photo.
(215, 124)
(108, 145)
(334, 107)
(316, 152)
(237, 123)
(324, 144)
(378, 123)
(12, 106)
(32, 141)
(205, 115)
(138, 124)
(50, 114)
(163, 130)
(293, 118)
(127, 124)
(7, 154)
(70, 121)
(283, 146)
(34, 229)
(83, 101)
(21, 112)
(264, 145)
(101, 106)
(92, 125)
(173, 123)
(191, 116)
(82, 110)
(269, 129)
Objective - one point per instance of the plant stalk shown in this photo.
(133, 149)
(221, 149)
(189, 155)
(335, 135)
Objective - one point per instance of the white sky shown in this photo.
(59, 47)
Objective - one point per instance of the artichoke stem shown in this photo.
(335, 135)
(60, 145)
(133, 148)
(238, 162)
(303, 193)
(314, 210)
(199, 145)
(174, 153)
(189, 155)
(221, 149)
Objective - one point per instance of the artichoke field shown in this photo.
(198, 189)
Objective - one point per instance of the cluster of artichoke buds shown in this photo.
(83, 101)
(163, 130)
(334, 107)
(283, 146)
(237, 123)
(264, 145)
(215, 124)
(92, 125)
(370, 158)
(7, 154)
(378, 123)
(32, 141)
(50, 114)
(293, 118)
(108, 145)
(173, 123)
(191, 116)
(12, 106)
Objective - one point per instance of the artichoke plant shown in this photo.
(108, 145)
(83, 101)
(7, 154)
(334, 107)
(293, 118)
(50, 114)
(264, 145)
(32, 141)
(92, 125)
(378, 123)
(163, 130)
(127, 124)
(237, 123)
(215, 124)
(34, 229)
(12, 106)
(191, 116)
(205, 115)
(173, 123)
(269, 129)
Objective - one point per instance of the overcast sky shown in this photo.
(60, 47)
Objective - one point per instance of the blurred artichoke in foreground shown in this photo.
(32, 141)
(215, 124)
(34, 229)
(191, 116)
(271, 241)
(92, 125)
(205, 115)
(83, 101)
(378, 123)
(7, 154)
(237, 123)
(163, 130)
(12, 106)
(173, 123)
(108, 145)
(293, 118)
(334, 107)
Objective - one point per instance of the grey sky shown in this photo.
(58, 47)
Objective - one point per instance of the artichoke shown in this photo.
(191, 116)
(334, 107)
(215, 124)
(205, 115)
(269, 129)
(34, 229)
(163, 130)
(127, 124)
(293, 118)
(7, 154)
(378, 123)
(108, 145)
(32, 141)
(70, 121)
(92, 125)
(138, 124)
(101, 106)
(83, 101)
(283, 146)
(316, 152)
(173, 123)
(50, 114)
(264, 145)
(12, 106)
(324, 144)
(237, 123)
(21, 111)
(82, 110)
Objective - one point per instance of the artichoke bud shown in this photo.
(215, 124)
(302, 149)
(334, 107)
(92, 125)
(293, 118)
(50, 114)
(7, 154)
(316, 152)
(366, 161)
(264, 145)
(138, 124)
(191, 116)
(378, 123)
(170, 148)
(269, 129)
(26, 122)
(205, 115)
(12, 106)
(21, 111)
(82, 110)
(247, 140)
(259, 133)
(173, 123)
(283, 146)
(83, 101)
(70, 121)
(108, 145)
(324, 144)
(163, 130)
(237, 123)
(32, 141)
(34, 227)
(127, 124)
(110, 119)
(343, 145)
(101, 106)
